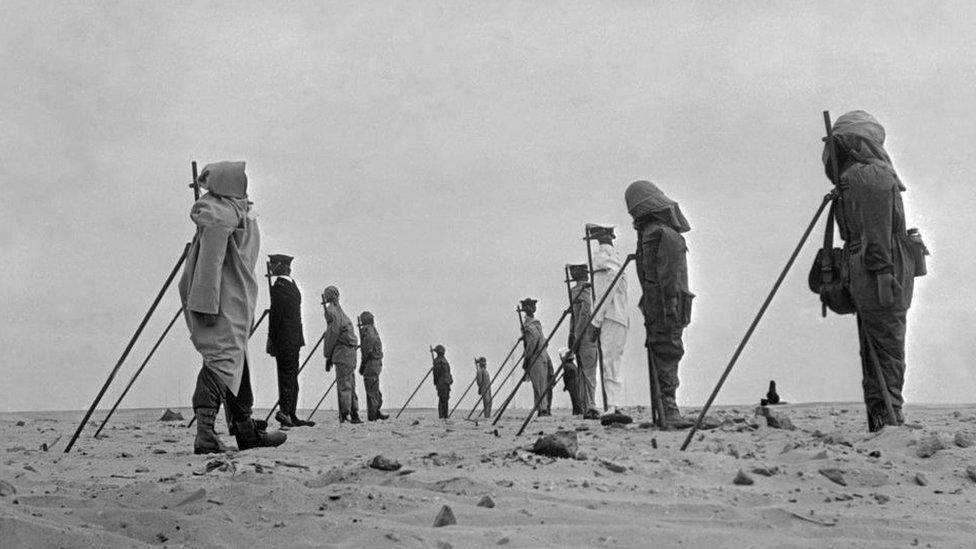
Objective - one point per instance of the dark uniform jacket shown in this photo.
(484, 381)
(371, 350)
(442, 374)
(285, 320)
(872, 224)
(662, 266)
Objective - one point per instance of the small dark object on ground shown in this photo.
(742, 479)
(486, 502)
(384, 463)
(834, 475)
(170, 415)
(561, 444)
(616, 417)
(445, 517)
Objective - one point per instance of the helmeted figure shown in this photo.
(584, 335)
(612, 320)
(339, 348)
(442, 381)
(663, 272)
(882, 257)
(219, 292)
(371, 365)
(484, 384)
(285, 337)
(538, 364)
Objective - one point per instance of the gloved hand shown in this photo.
(210, 320)
(328, 365)
(886, 289)
(596, 334)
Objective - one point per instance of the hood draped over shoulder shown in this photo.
(224, 179)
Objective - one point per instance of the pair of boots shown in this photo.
(352, 417)
(377, 416)
(287, 422)
(878, 418)
(249, 433)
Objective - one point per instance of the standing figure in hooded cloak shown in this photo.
(219, 292)
(662, 268)
(371, 365)
(538, 364)
(339, 348)
(883, 258)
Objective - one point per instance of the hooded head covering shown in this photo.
(224, 179)
(330, 294)
(481, 361)
(644, 198)
(439, 349)
(578, 273)
(861, 138)
(366, 318)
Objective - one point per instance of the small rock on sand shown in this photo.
(445, 517)
(971, 472)
(921, 480)
(963, 439)
(779, 420)
(834, 475)
(765, 471)
(170, 415)
(7, 489)
(384, 463)
(561, 444)
(486, 502)
(928, 446)
(615, 467)
(742, 479)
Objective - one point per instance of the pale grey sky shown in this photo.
(437, 161)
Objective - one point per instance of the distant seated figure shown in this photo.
(771, 396)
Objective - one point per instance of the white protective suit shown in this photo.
(612, 320)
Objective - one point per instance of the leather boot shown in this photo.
(354, 417)
(301, 422)
(206, 441)
(381, 416)
(672, 416)
(259, 424)
(343, 418)
(248, 436)
(284, 420)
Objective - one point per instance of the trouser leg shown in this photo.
(239, 405)
(486, 402)
(374, 400)
(885, 330)
(588, 358)
(667, 349)
(287, 383)
(345, 388)
(613, 338)
(443, 396)
(539, 377)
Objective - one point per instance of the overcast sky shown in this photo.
(437, 162)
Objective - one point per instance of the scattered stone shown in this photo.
(616, 418)
(928, 446)
(142, 469)
(645, 425)
(125, 455)
(7, 489)
(392, 537)
(742, 479)
(30, 468)
(921, 480)
(779, 420)
(615, 467)
(20, 423)
(561, 444)
(582, 456)
(834, 475)
(445, 517)
(963, 439)
(486, 502)
(874, 454)
(839, 439)
(881, 498)
(503, 541)
(766, 471)
(444, 545)
(384, 463)
(971, 472)
(170, 415)
(415, 423)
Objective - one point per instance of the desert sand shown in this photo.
(628, 486)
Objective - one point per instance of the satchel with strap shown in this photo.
(830, 275)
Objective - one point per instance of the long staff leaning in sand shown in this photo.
(492, 382)
(540, 400)
(421, 384)
(135, 337)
